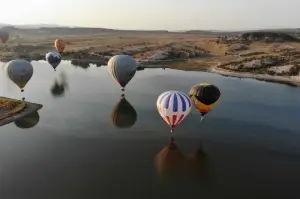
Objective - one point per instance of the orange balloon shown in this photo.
(4, 39)
(4, 35)
(59, 45)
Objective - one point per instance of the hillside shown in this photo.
(269, 36)
(53, 29)
(73, 31)
(275, 54)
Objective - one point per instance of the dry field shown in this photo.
(186, 51)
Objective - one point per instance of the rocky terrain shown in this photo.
(271, 65)
(278, 60)
(264, 53)
(269, 37)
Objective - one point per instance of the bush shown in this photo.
(271, 72)
(294, 71)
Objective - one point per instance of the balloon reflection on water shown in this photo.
(60, 85)
(199, 165)
(28, 121)
(171, 164)
(123, 114)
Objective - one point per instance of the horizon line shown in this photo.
(207, 30)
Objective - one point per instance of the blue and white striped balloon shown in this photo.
(173, 107)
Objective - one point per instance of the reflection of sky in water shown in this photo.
(87, 104)
(252, 134)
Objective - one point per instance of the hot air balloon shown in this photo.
(28, 121)
(123, 115)
(4, 35)
(205, 97)
(170, 163)
(173, 107)
(122, 68)
(60, 45)
(53, 58)
(20, 72)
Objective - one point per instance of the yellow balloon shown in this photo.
(205, 97)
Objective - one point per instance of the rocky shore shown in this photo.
(266, 56)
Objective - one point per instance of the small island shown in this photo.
(12, 110)
(265, 55)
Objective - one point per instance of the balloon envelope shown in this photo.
(122, 68)
(19, 71)
(53, 58)
(4, 35)
(173, 107)
(59, 45)
(123, 114)
(28, 121)
(205, 97)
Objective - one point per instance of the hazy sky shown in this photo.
(155, 14)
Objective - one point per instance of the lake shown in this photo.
(249, 145)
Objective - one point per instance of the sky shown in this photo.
(155, 14)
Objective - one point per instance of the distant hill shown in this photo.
(229, 33)
(53, 29)
(284, 30)
(210, 32)
(271, 36)
(33, 26)
(73, 31)
(38, 26)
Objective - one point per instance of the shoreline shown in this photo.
(293, 81)
(29, 109)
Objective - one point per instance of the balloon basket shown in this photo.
(202, 118)
(123, 92)
(172, 129)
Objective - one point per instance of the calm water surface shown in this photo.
(249, 145)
